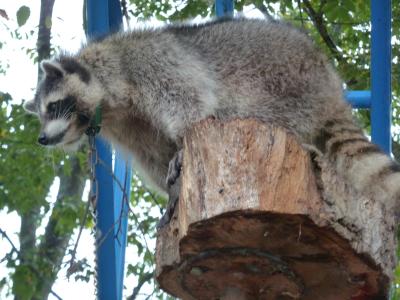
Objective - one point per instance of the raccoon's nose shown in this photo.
(43, 140)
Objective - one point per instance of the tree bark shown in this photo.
(43, 44)
(257, 219)
(27, 235)
(55, 241)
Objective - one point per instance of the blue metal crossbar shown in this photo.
(103, 17)
(359, 99)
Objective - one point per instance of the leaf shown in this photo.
(23, 14)
(3, 282)
(349, 6)
(5, 97)
(3, 14)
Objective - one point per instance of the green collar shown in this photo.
(95, 123)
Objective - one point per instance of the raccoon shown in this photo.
(153, 84)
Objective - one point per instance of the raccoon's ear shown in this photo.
(30, 107)
(52, 69)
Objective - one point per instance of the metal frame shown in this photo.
(379, 98)
(104, 16)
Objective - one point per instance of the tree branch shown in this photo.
(396, 150)
(301, 13)
(263, 9)
(146, 277)
(124, 8)
(44, 34)
(317, 18)
(321, 5)
(5, 235)
(318, 21)
(27, 234)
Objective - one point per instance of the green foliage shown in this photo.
(29, 168)
(169, 10)
(23, 14)
(192, 9)
(144, 9)
(68, 214)
(23, 281)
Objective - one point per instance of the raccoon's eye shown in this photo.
(51, 108)
(83, 118)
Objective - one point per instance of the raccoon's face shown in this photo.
(65, 102)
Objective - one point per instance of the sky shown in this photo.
(20, 82)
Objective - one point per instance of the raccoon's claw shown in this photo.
(313, 150)
(174, 168)
(173, 185)
(173, 195)
(163, 221)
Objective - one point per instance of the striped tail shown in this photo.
(362, 164)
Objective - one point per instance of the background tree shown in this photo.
(27, 174)
(340, 27)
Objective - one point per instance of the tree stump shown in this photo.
(258, 219)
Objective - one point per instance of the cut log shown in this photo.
(258, 219)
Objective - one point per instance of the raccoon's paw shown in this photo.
(173, 185)
(174, 168)
(173, 198)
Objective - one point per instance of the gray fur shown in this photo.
(153, 84)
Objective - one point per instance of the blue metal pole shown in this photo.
(103, 17)
(224, 8)
(105, 249)
(97, 18)
(115, 15)
(381, 73)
